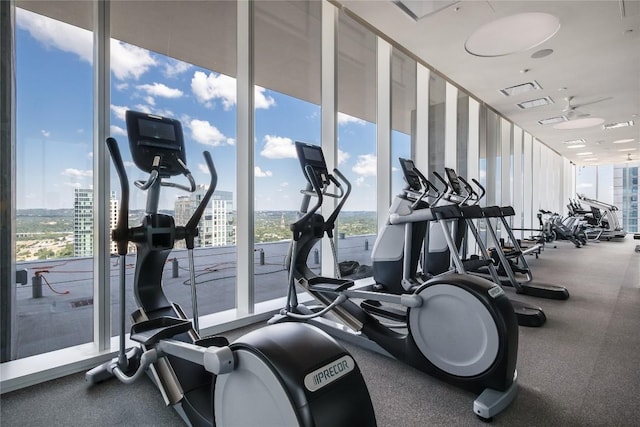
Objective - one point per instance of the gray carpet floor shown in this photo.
(581, 369)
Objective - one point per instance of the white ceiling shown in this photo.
(596, 56)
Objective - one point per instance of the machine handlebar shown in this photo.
(122, 227)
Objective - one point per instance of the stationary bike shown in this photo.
(286, 374)
(458, 328)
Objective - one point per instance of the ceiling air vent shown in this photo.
(617, 125)
(535, 103)
(418, 9)
(552, 120)
(574, 141)
(518, 89)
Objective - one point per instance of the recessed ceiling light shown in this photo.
(512, 34)
(535, 103)
(590, 159)
(579, 123)
(521, 88)
(628, 149)
(577, 146)
(617, 125)
(623, 141)
(552, 120)
(586, 153)
(574, 141)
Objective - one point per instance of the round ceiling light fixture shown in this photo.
(512, 34)
(579, 123)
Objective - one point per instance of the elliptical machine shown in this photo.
(458, 328)
(458, 220)
(289, 374)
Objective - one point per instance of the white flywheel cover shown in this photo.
(252, 395)
(454, 330)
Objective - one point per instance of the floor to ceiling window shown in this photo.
(185, 71)
(437, 101)
(356, 88)
(287, 109)
(403, 110)
(54, 180)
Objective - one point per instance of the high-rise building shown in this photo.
(216, 228)
(83, 221)
(625, 194)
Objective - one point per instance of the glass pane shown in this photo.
(287, 75)
(403, 108)
(462, 133)
(54, 164)
(356, 80)
(437, 98)
(177, 59)
(586, 181)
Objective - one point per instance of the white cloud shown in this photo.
(222, 87)
(278, 147)
(284, 184)
(160, 89)
(57, 34)
(344, 119)
(45, 133)
(128, 164)
(261, 100)
(117, 130)
(90, 154)
(72, 184)
(143, 108)
(205, 133)
(214, 86)
(127, 61)
(203, 168)
(343, 156)
(259, 173)
(173, 67)
(77, 173)
(150, 100)
(119, 111)
(366, 165)
(121, 86)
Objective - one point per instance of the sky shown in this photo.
(55, 122)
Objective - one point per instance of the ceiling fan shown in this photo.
(571, 111)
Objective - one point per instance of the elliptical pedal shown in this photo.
(377, 309)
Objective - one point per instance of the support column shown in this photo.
(245, 231)
(7, 183)
(450, 126)
(383, 118)
(101, 170)
(329, 109)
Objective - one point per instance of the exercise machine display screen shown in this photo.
(158, 131)
(152, 136)
(410, 175)
(311, 155)
(452, 176)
